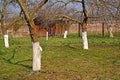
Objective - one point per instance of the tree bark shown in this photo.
(78, 29)
(103, 31)
(33, 33)
(84, 36)
(84, 26)
(3, 18)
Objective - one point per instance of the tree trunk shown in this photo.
(78, 29)
(103, 30)
(85, 41)
(6, 40)
(110, 31)
(47, 35)
(84, 26)
(36, 56)
(36, 47)
(84, 36)
(3, 25)
(33, 32)
(36, 66)
(65, 34)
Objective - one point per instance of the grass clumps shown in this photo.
(62, 59)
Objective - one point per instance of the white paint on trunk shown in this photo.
(85, 41)
(110, 32)
(6, 40)
(36, 56)
(40, 48)
(65, 34)
(47, 35)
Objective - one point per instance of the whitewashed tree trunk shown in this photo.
(65, 34)
(47, 35)
(6, 40)
(36, 56)
(85, 41)
(110, 31)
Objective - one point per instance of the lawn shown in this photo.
(62, 59)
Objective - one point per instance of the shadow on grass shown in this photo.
(20, 63)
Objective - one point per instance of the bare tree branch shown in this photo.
(38, 7)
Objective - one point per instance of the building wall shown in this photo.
(93, 28)
(59, 29)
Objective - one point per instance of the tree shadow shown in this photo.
(20, 63)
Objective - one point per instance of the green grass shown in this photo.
(62, 59)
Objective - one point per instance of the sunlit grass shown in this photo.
(62, 59)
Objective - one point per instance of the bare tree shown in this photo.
(29, 17)
(106, 12)
(3, 17)
(70, 14)
(6, 22)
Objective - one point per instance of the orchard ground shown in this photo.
(62, 59)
